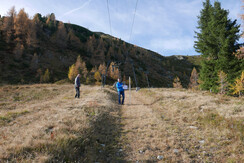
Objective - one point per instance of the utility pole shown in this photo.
(147, 80)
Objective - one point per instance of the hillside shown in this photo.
(45, 123)
(30, 46)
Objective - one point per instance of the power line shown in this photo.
(133, 20)
(109, 18)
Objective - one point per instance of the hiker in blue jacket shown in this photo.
(77, 86)
(120, 90)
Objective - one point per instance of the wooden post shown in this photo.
(102, 82)
(129, 91)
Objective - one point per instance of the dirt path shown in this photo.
(141, 130)
(170, 125)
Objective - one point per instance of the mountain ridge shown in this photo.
(51, 44)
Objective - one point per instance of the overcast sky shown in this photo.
(163, 26)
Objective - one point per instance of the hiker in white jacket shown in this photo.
(77, 86)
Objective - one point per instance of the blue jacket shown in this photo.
(77, 82)
(119, 86)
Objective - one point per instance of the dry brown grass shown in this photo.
(201, 127)
(44, 123)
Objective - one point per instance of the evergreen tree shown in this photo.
(208, 76)
(224, 34)
(216, 41)
(202, 43)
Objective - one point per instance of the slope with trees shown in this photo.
(30, 46)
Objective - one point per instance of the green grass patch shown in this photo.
(148, 92)
(237, 110)
(34, 94)
(212, 120)
(216, 121)
(63, 81)
(64, 149)
(3, 104)
(10, 116)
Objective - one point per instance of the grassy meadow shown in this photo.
(45, 123)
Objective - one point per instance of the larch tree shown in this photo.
(34, 62)
(240, 55)
(238, 86)
(1, 28)
(31, 39)
(177, 83)
(38, 22)
(97, 76)
(46, 76)
(124, 78)
(194, 79)
(72, 74)
(102, 68)
(94, 70)
(91, 44)
(100, 52)
(113, 71)
(18, 50)
(80, 68)
(223, 83)
(78, 64)
(8, 25)
(73, 40)
(61, 35)
(21, 26)
(84, 69)
(110, 53)
(51, 22)
(39, 75)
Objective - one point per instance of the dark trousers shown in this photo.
(123, 96)
(77, 89)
